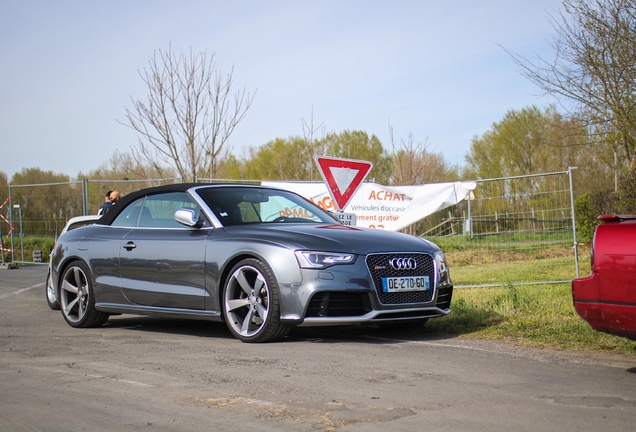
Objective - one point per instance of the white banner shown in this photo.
(385, 207)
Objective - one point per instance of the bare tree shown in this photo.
(594, 68)
(413, 163)
(314, 147)
(189, 115)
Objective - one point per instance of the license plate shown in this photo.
(401, 284)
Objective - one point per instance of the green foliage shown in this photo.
(627, 194)
(292, 159)
(281, 159)
(533, 141)
(230, 168)
(4, 187)
(586, 218)
(513, 146)
(509, 301)
(31, 243)
(359, 145)
(466, 317)
(591, 205)
(46, 206)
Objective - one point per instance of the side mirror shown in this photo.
(187, 217)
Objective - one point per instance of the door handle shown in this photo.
(130, 246)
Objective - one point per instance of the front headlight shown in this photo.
(442, 268)
(320, 260)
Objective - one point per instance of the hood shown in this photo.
(332, 238)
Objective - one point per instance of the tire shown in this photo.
(76, 297)
(251, 303)
(49, 293)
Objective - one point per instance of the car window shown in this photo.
(157, 211)
(128, 217)
(242, 205)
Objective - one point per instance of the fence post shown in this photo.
(11, 223)
(576, 244)
(470, 220)
(534, 220)
(496, 222)
(21, 233)
(85, 196)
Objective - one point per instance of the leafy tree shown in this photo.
(293, 158)
(590, 205)
(49, 203)
(231, 168)
(593, 70)
(359, 145)
(531, 141)
(280, 159)
(4, 187)
(517, 145)
(189, 115)
(4, 194)
(586, 218)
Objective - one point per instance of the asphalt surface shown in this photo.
(140, 373)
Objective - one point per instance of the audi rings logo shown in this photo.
(403, 263)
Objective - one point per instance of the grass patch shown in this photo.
(28, 245)
(539, 316)
(518, 272)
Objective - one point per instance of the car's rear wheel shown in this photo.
(251, 303)
(51, 298)
(77, 300)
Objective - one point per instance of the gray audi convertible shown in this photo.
(262, 260)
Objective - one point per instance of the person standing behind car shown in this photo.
(107, 204)
(114, 197)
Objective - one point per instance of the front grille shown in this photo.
(379, 267)
(338, 304)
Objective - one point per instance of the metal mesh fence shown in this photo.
(97, 189)
(37, 210)
(517, 230)
(43, 209)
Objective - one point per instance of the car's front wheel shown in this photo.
(51, 298)
(251, 303)
(77, 300)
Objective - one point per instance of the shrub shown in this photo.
(586, 218)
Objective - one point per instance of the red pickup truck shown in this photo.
(606, 298)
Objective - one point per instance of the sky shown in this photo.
(434, 69)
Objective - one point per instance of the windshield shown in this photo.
(237, 205)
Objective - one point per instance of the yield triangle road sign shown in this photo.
(343, 177)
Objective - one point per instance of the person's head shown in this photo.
(107, 196)
(114, 196)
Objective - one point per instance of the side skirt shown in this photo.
(114, 308)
